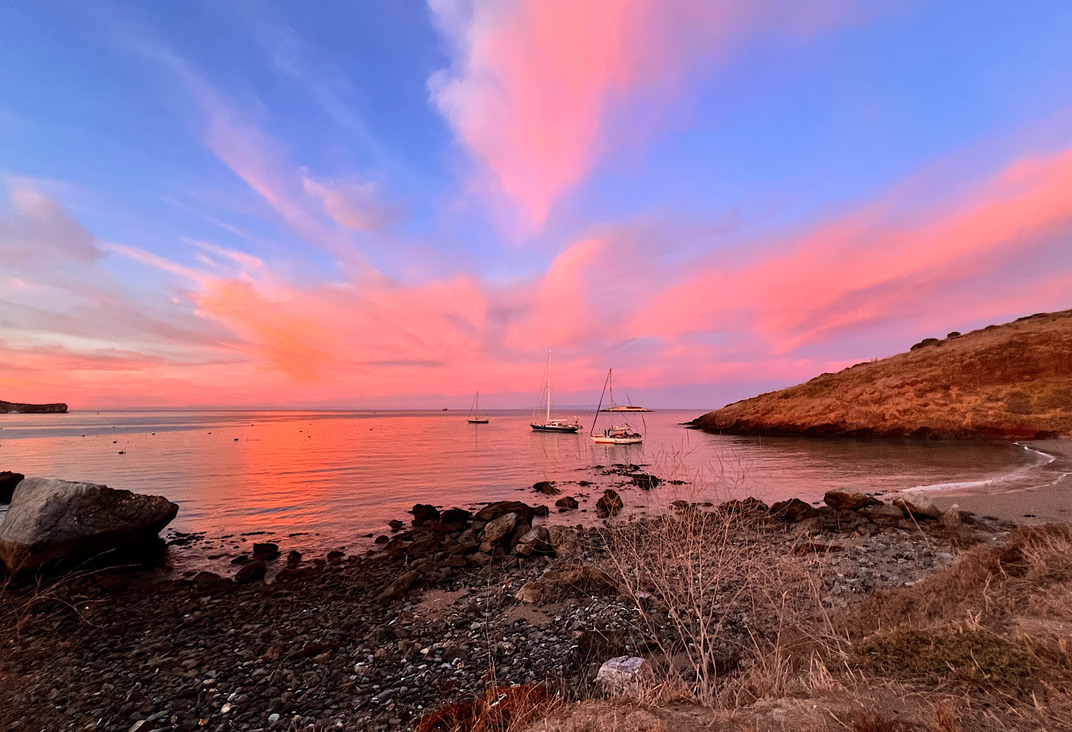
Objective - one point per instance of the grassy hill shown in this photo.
(1012, 380)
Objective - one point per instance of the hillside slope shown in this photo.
(1012, 380)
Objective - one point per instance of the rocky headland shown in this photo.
(18, 408)
(1002, 381)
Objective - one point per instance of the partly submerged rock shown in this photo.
(609, 504)
(567, 503)
(850, 500)
(53, 522)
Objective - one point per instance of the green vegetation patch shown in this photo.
(973, 658)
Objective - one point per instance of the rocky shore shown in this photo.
(451, 603)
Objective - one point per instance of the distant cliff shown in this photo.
(10, 407)
(1012, 380)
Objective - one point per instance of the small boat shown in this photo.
(627, 408)
(615, 434)
(474, 415)
(548, 424)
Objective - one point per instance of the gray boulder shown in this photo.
(54, 522)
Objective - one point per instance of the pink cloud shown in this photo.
(867, 267)
(533, 81)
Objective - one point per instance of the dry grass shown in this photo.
(500, 709)
(733, 619)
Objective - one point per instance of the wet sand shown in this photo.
(1042, 504)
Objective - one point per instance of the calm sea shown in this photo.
(332, 477)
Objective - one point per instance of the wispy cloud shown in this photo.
(532, 82)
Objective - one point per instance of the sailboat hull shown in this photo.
(604, 440)
(555, 427)
(478, 420)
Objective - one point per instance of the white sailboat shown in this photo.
(474, 412)
(613, 435)
(553, 425)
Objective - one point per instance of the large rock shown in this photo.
(850, 500)
(62, 522)
(500, 527)
(494, 510)
(8, 481)
(916, 504)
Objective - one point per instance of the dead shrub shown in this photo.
(500, 709)
(713, 589)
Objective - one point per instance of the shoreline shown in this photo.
(373, 642)
(1048, 503)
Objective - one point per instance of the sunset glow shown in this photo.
(396, 204)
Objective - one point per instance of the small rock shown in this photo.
(567, 503)
(622, 674)
(251, 572)
(609, 504)
(265, 551)
(531, 592)
(546, 487)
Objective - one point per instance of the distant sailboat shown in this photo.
(474, 412)
(553, 425)
(613, 435)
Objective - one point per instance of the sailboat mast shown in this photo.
(549, 386)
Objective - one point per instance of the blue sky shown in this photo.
(396, 204)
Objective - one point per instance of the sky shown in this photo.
(396, 204)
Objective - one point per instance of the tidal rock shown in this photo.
(251, 572)
(455, 518)
(917, 505)
(645, 481)
(567, 503)
(609, 504)
(424, 514)
(294, 557)
(495, 510)
(851, 500)
(621, 674)
(500, 527)
(793, 510)
(265, 551)
(8, 481)
(57, 521)
(395, 525)
(546, 487)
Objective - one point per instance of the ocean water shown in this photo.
(328, 479)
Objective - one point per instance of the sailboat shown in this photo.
(474, 412)
(613, 435)
(553, 425)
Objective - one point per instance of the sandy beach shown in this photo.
(1042, 504)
